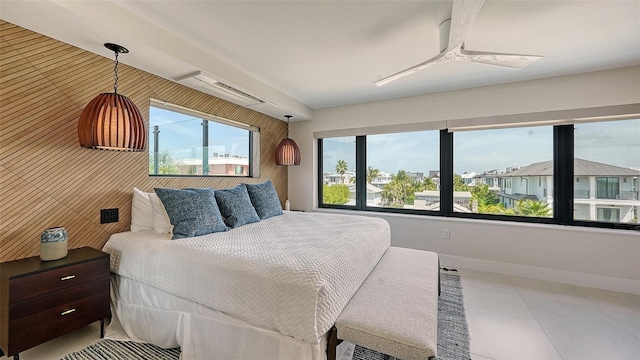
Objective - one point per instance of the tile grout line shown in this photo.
(609, 315)
(535, 318)
(616, 320)
(486, 357)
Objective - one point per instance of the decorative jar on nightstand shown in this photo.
(53, 243)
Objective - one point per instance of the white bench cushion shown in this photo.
(395, 311)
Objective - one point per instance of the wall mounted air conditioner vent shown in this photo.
(210, 85)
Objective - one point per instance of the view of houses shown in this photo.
(164, 163)
(602, 192)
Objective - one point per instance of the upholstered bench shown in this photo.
(395, 311)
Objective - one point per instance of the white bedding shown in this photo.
(292, 273)
(145, 314)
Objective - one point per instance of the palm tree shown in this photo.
(391, 193)
(167, 164)
(341, 168)
(535, 208)
(372, 174)
(427, 184)
(487, 200)
(496, 209)
(401, 187)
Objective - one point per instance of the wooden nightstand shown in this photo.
(41, 300)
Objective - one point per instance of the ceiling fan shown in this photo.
(453, 33)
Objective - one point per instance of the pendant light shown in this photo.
(288, 152)
(112, 121)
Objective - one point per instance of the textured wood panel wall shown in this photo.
(47, 180)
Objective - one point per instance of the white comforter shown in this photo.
(294, 273)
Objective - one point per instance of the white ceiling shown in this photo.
(305, 55)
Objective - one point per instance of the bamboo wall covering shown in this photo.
(47, 179)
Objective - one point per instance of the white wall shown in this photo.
(591, 257)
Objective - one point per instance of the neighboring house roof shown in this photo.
(436, 193)
(516, 196)
(581, 168)
(370, 188)
(436, 207)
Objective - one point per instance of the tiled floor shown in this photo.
(509, 318)
(516, 318)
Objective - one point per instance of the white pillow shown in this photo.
(141, 212)
(161, 222)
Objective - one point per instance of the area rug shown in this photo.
(453, 334)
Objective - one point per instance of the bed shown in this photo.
(269, 290)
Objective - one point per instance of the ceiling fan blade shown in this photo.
(511, 61)
(463, 15)
(434, 60)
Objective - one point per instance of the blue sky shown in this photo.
(182, 135)
(615, 142)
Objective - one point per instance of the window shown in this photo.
(403, 170)
(339, 171)
(608, 214)
(585, 174)
(522, 157)
(184, 142)
(606, 154)
(607, 187)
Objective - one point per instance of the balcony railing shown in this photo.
(622, 195)
(581, 194)
(629, 195)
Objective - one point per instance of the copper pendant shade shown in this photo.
(112, 121)
(288, 153)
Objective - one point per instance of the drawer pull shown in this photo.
(67, 277)
(67, 312)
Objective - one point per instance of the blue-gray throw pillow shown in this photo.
(192, 212)
(235, 206)
(264, 198)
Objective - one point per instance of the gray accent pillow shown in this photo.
(192, 212)
(264, 198)
(235, 206)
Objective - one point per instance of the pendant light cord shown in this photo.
(115, 75)
(288, 118)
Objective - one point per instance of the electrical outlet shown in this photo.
(446, 234)
(109, 215)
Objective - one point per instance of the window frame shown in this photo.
(253, 159)
(563, 185)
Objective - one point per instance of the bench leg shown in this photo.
(439, 288)
(332, 343)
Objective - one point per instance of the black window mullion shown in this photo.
(361, 172)
(446, 172)
(251, 170)
(563, 174)
(320, 173)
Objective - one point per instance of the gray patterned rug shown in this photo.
(453, 334)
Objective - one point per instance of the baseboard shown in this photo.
(561, 276)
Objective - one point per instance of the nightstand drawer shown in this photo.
(30, 286)
(59, 300)
(47, 317)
